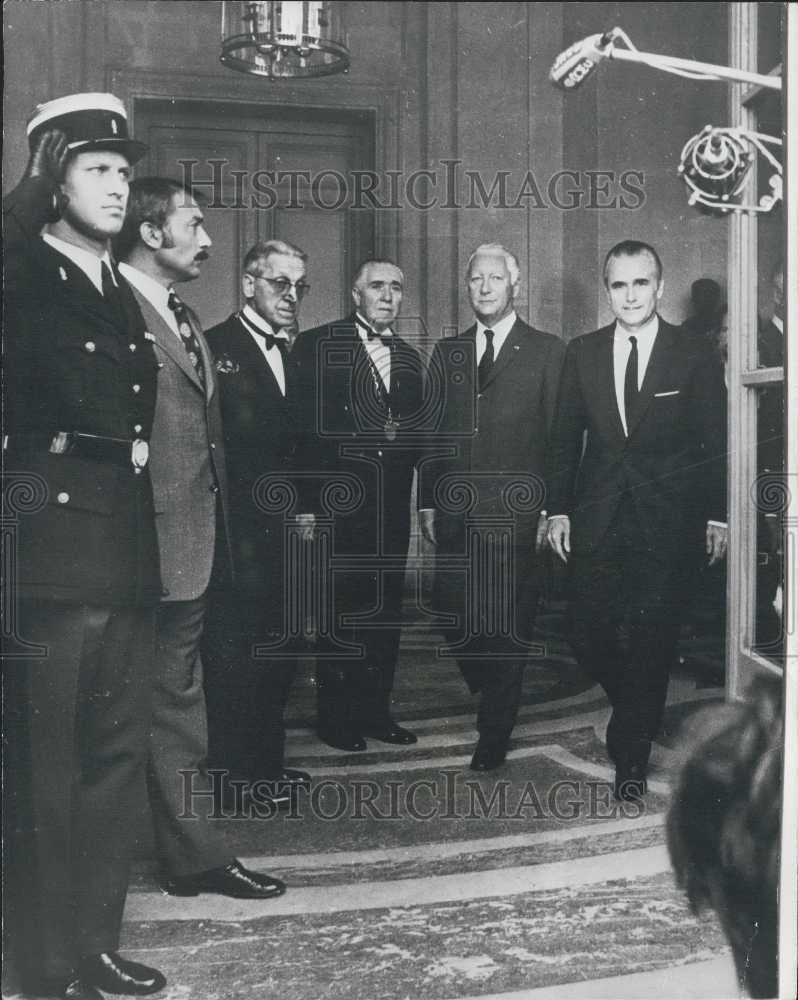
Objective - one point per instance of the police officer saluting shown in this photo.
(80, 377)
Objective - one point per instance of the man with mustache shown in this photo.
(247, 691)
(163, 242)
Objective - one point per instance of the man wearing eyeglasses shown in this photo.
(246, 692)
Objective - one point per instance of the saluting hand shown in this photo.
(48, 159)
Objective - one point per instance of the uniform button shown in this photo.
(160, 364)
(379, 453)
(479, 395)
(213, 488)
(63, 498)
(132, 347)
(137, 429)
(136, 387)
(136, 470)
(90, 346)
(213, 444)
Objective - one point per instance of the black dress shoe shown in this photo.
(630, 783)
(291, 777)
(114, 974)
(233, 880)
(342, 739)
(77, 990)
(391, 732)
(488, 756)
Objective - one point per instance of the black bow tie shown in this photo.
(270, 340)
(387, 338)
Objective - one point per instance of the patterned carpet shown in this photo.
(411, 877)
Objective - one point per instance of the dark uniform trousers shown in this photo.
(76, 731)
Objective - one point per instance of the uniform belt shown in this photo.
(119, 451)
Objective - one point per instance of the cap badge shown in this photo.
(63, 273)
(114, 126)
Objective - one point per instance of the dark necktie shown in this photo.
(630, 390)
(187, 334)
(111, 292)
(486, 361)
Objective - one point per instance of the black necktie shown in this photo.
(187, 334)
(630, 390)
(111, 292)
(486, 361)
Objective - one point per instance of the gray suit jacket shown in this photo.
(186, 461)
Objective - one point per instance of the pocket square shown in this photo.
(673, 392)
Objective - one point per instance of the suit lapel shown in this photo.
(605, 378)
(255, 361)
(511, 347)
(655, 370)
(166, 339)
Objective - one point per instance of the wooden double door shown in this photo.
(267, 173)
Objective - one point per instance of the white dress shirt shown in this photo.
(154, 292)
(257, 327)
(379, 353)
(88, 262)
(500, 332)
(622, 348)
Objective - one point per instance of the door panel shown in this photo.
(239, 157)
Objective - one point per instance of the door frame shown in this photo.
(134, 86)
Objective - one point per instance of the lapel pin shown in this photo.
(148, 335)
(516, 347)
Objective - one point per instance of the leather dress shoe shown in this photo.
(77, 990)
(114, 974)
(488, 756)
(342, 739)
(391, 732)
(233, 880)
(630, 783)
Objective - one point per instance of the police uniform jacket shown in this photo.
(74, 363)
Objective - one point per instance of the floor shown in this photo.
(410, 877)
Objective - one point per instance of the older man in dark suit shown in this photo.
(361, 391)
(164, 242)
(496, 385)
(80, 384)
(637, 459)
(247, 688)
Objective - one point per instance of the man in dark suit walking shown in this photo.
(637, 459)
(164, 243)
(361, 391)
(497, 386)
(80, 385)
(247, 689)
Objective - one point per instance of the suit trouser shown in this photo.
(246, 692)
(495, 623)
(179, 742)
(76, 739)
(355, 692)
(627, 581)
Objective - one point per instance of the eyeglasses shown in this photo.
(282, 285)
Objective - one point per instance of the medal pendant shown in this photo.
(391, 427)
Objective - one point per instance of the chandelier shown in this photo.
(283, 40)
